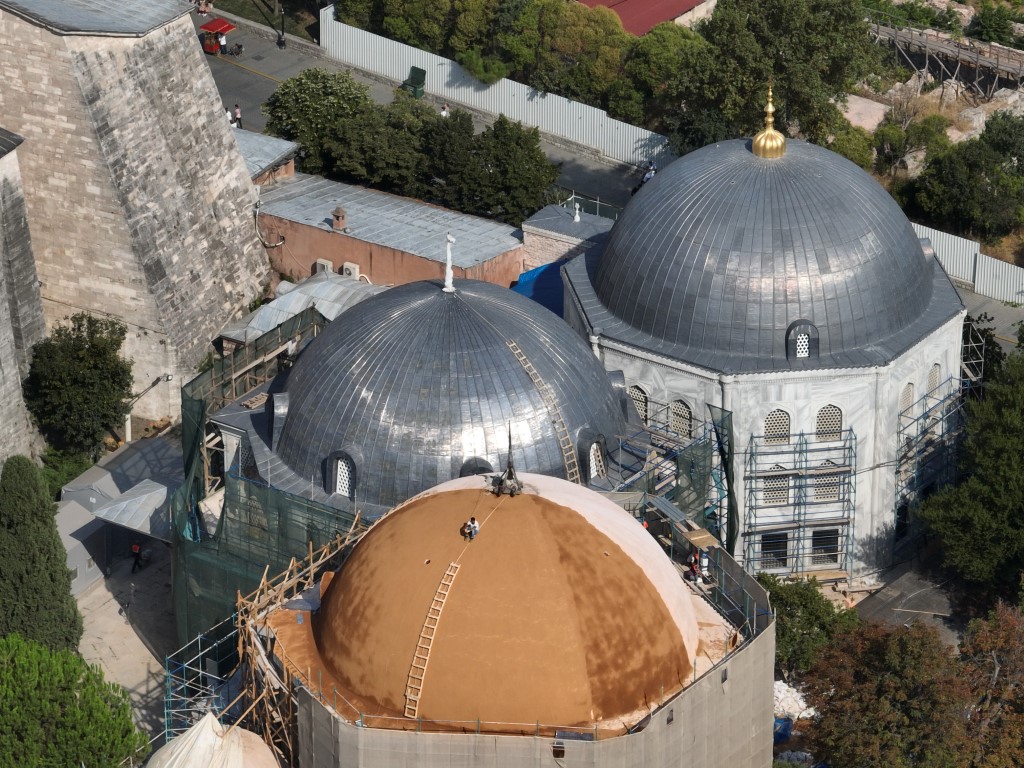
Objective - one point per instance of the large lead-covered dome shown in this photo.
(416, 386)
(725, 257)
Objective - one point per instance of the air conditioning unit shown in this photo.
(323, 265)
(349, 269)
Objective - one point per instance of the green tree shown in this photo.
(987, 509)
(853, 143)
(508, 175)
(992, 663)
(34, 577)
(805, 622)
(894, 142)
(993, 24)
(327, 113)
(888, 698)
(57, 710)
(420, 23)
(970, 188)
(451, 144)
(1004, 132)
(812, 50)
(78, 385)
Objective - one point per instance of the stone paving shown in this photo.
(129, 630)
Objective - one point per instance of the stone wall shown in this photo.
(139, 203)
(20, 317)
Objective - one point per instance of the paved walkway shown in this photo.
(129, 630)
(249, 79)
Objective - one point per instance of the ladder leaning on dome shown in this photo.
(418, 670)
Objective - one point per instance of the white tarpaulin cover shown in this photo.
(208, 744)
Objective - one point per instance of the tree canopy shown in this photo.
(888, 698)
(57, 710)
(408, 148)
(34, 578)
(805, 621)
(78, 385)
(987, 508)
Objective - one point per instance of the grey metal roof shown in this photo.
(559, 220)
(714, 259)
(396, 222)
(8, 142)
(262, 152)
(329, 292)
(125, 18)
(414, 382)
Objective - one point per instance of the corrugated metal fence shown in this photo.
(553, 115)
(963, 260)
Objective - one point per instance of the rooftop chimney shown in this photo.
(338, 219)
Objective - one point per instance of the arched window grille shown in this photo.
(776, 488)
(596, 461)
(680, 418)
(829, 424)
(934, 377)
(639, 398)
(906, 397)
(803, 345)
(344, 477)
(826, 486)
(776, 427)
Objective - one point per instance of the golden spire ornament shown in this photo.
(769, 143)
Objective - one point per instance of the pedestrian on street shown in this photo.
(238, 116)
(222, 41)
(445, 110)
(231, 119)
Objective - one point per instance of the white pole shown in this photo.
(449, 276)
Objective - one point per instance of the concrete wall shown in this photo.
(139, 203)
(723, 720)
(382, 265)
(21, 317)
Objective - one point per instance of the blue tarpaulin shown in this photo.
(543, 285)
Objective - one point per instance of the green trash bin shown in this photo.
(415, 82)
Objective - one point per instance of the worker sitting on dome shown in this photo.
(471, 528)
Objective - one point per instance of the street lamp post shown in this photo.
(135, 398)
(281, 42)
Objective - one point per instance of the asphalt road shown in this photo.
(249, 79)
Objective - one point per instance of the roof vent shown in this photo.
(338, 219)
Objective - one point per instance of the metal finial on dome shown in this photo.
(769, 143)
(449, 276)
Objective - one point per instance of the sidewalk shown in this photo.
(249, 79)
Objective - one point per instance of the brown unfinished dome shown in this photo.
(563, 611)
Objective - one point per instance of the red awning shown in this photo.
(218, 25)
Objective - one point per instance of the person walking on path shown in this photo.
(136, 556)
(238, 116)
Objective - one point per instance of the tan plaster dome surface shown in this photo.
(564, 610)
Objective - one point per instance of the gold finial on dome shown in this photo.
(769, 143)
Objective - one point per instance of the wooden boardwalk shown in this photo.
(953, 57)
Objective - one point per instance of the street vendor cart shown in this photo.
(210, 31)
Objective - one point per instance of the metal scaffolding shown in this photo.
(800, 504)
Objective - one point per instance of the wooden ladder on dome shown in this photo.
(572, 465)
(418, 670)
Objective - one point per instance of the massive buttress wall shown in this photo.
(21, 317)
(140, 205)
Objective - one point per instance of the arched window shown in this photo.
(639, 398)
(776, 488)
(596, 461)
(906, 397)
(801, 340)
(829, 424)
(826, 485)
(776, 427)
(344, 476)
(680, 418)
(934, 377)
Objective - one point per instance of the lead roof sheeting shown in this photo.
(329, 292)
(396, 222)
(142, 508)
(723, 250)
(261, 152)
(555, 218)
(9, 142)
(132, 18)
